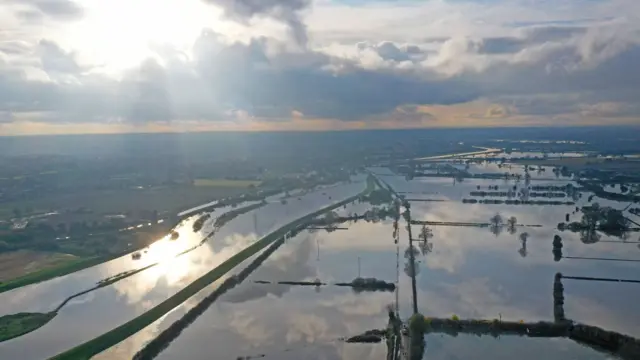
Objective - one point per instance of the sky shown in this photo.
(95, 66)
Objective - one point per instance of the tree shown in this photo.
(590, 216)
(425, 233)
(613, 219)
(496, 220)
(425, 247)
(411, 271)
(411, 267)
(410, 252)
(495, 224)
(589, 236)
(512, 224)
(523, 250)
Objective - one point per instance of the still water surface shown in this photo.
(97, 312)
(470, 272)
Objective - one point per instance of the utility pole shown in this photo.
(358, 266)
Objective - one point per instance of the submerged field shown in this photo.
(461, 272)
(447, 259)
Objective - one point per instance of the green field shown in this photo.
(172, 199)
(111, 338)
(224, 183)
(12, 326)
(50, 273)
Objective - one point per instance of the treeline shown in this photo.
(369, 284)
(624, 346)
(567, 187)
(233, 201)
(232, 214)
(358, 284)
(516, 202)
(598, 191)
(513, 194)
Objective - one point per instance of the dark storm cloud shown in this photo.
(56, 9)
(286, 11)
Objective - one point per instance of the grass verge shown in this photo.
(111, 338)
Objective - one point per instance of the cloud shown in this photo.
(461, 64)
(286, 11)
(57, 9)
(5, 117)
(56, 60)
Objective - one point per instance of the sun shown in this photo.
(119, 34)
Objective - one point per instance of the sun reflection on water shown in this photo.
(165, 253)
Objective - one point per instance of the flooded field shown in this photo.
(482, 251)
(92, 314)
(467, 272)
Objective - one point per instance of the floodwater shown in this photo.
(104, 309)
(469, 272)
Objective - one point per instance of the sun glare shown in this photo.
(119, 34)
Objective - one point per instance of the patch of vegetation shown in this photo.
(380, 196)
(417, 328)
(230, 215)
(197, 225)
(595, 217)
(12, 326)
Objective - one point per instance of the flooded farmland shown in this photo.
(482, 251)
(462, 272)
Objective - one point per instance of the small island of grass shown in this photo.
(12, 326)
